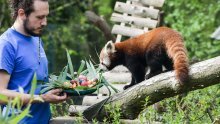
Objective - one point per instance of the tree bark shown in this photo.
(101, 24)
(132, 100)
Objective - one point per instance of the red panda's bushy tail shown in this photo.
(177, 51)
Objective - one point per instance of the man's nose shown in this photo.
(44, 21)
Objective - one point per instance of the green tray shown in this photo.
(79, 92)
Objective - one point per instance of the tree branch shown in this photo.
(132, 100)
(101, 24)
(3, 11)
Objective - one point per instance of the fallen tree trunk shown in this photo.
(132, 100)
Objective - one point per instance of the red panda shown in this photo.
(159, 47)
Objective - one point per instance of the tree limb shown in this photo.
(132, 100)
(101, 24)
(3, 11)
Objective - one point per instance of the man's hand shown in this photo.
(53, 96)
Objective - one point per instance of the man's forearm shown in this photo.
(25, 98)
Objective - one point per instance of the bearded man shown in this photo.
(22, 55)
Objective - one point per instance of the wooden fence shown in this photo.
(135, 17)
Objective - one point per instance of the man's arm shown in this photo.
(51, 96)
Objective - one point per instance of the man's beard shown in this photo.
(29, 30)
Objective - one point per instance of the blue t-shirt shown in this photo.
(19, 56)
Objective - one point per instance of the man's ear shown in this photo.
(110, 47)
(21, 14)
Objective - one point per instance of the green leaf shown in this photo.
(85, 72)
(53, 77)
(82, 65)
(16, 103)
(91, 74)
(93, 69)
(62, 76)
(98, 86)
(3, 98)
(7, 109)
(69, 76)
(57, 83)
(77, 92)
(106, 83)
(65, 73)
(47, 84)
(108, 89)
(70, 64)
(46, 89)
(20, 116)
(33, 85)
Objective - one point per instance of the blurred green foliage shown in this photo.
(68, 28)
(15, 107)
(196, 20)
(198, 107)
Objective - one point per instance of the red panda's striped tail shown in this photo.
(177, 51)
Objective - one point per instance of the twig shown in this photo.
(209, 114)
(63, 7)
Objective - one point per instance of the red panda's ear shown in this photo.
(110, 47)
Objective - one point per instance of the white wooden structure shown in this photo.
(135, 17)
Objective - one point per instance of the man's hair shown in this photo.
(26, 5)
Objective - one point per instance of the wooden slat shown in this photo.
(126, 31)
(136, 10)
(118, 38)
(137, 21)
(155, 3)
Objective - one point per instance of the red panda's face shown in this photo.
(106, 56)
